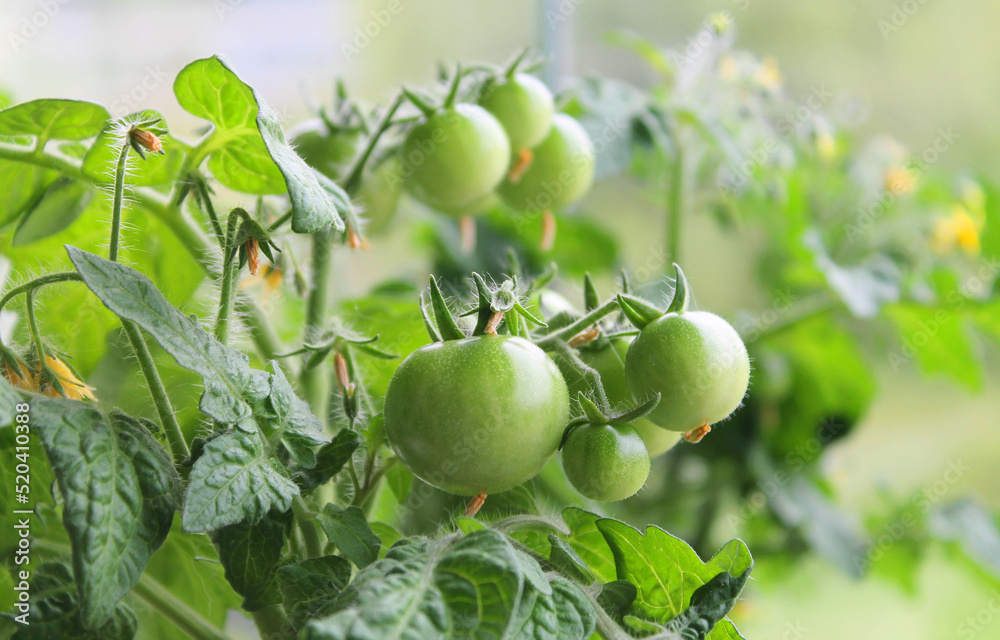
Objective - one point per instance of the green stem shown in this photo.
(176, 610)
(353, 180)
(36, 338)
(675, 206)
(273, 624)
(312, 379)
(161, 401)
(204, 198)
(50, 278)
(280, 221)
(116, 209)
(226, 291)
(310, 536)
(569, 331)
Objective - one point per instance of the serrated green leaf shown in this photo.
(291, 422)
(666, 570)
(100, 162)
(57, 208)
(387, 535)
(120, 492)
(250, 553)
(399, 479)
(568, 561)
(55, 612)
(330, 459)
(229, 380)
(456, 587)
(54, 119)
(616, 598)
(248, 151)
(709, 605)
(564, 613)
(308, 586)
(348, 530)
(725, 630)
(586, 539)
(235, 479)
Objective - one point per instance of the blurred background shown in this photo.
(908, 69)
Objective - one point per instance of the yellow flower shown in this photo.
(728, 69)
(899, 180)
(73, 388)
(768, 75)
(269, 277)
(27, 383)
(826, 146)
(958, 230)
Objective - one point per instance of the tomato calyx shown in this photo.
(598, 416)
(498, 309)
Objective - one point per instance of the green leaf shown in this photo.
(21, 185)
(229, 380)
(457, 587)
(568, 561)
(308, 586)
(250, 553)
(55, 612)
(248, 151)
(725, 630)
(348, 530)
(564, 613)
(387, 535)
(865, 287)
(330, 459)
(53, 119)
(616, 598)
(709, 605)
(665, 569)
(399, 479)
(120, 492)
(589, 543)
(57, 208)
(939, 340)
(291, 421)
(100, 162)
(235, 479)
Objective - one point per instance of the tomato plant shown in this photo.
(198, 422)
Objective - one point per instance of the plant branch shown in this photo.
(176, 610)
(310, 536)
(353, 179)
(116, 208)
(569, 331)
(50, 278)
(273, 624)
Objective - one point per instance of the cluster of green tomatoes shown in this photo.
(482, 413)
(504, 139)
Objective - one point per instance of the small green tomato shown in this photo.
(606, 463)
(523, 105)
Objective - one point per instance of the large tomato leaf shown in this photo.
(53, 119)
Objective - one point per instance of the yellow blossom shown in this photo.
(958, 230)
(768, 75)
(26, 383)
(72, 387)
(899, 180)
(826, 146)
(728, 69)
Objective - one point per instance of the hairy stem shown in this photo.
(160, 599)
(676, 201)
(41, 281)
(116, 209)
(312, 380)
(36, 338)
(569, 331)
(161, 401)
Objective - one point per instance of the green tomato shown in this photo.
(699, 364)
(480, 414)
(605, 463)
(330, 153)
(524, 106)
(379, 194)
(560, 172)
(609, 362)
(455, 157)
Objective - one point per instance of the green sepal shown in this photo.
(545, 277)
(682, 295)
(632, 415)
(431, 329)
(513, 66)
(527, 315)
(419, 103)
(626, 284)
(484, 309)
(591, 299)
(449, 101)
(591, 410)
(639, 312)
(445, 322)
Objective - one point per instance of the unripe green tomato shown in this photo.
(560, 173)
(330, 153)
(524, 107)
(609, 362)
(697, 361)
(479, 414)
(473, 208)
(604, 462)
(455, 157)
(379, 194)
